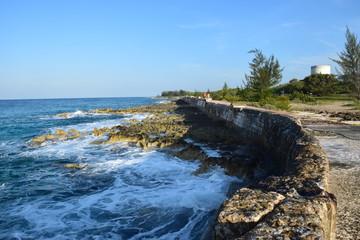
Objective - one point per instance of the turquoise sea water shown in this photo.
(123, 192)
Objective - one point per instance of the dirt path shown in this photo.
(331, 107)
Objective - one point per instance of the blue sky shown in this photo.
(60, 48)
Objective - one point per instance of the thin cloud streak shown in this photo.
(312, 60)
(291, 24)
(329, 44)
(199, 25)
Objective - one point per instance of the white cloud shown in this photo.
(312, 60)
(291, 24)
(300, 67)
(329, 44)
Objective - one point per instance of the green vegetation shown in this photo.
(180, 93)
(350, 63)
(262, 89)
(320, 84)
(291, 87)
(355, 105)
(264, 74)
(276, 103)
(334, 98)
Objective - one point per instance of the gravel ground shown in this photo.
(344, 158)
(332, 107)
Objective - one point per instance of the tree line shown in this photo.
(261, 84)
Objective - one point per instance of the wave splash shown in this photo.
(122, 192)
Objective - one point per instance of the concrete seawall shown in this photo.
(292, 203)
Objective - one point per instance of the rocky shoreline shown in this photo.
(294, 202)
(343, 151)
(179, 129)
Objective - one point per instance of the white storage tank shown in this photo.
(321, 69)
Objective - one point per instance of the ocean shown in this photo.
(123, 192)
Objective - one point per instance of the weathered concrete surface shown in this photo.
(292, 203)
(348, 131)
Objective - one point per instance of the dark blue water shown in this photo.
(25, 118)
(122, 192)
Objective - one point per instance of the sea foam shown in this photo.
(122, 192)
(138, 189)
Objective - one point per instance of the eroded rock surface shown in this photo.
(181, 128)
(287, 200)
(293, 202)
(243, 211)
(59, 135)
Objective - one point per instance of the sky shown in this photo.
(118, 48)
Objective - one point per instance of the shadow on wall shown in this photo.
(293, 202)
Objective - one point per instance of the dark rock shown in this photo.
(293, 202)
(98, 133)
(192, 152)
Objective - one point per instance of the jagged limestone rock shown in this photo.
(61, 133)
(64, 115)
(299, 172)
(37, 141)
(105, 129)
(75, 166)
(243, 211)
(98, 133)
(191, 152)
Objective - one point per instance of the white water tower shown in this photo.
(321, 69)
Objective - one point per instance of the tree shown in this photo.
(264, 73)
(238, 91)
(291, 87)
(225, 89)
(349, 63)
(321, 84)
(295, 86)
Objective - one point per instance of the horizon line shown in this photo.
(64, 98)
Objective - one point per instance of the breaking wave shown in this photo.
(115, 191)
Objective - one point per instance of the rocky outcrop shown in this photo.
(168, 125)
(156, 111)
(159, 132)
(74, 166)
(287, 197)
(59, 135)
(97, 133)
(191, 152)
(244, 210)
(292, 203)
(63, 115)
(347, 116)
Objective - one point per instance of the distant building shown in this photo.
(321, 69)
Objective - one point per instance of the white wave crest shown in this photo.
(148, 187)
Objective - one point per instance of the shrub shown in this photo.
(276, 103)
(321, 84)
(232, 98)
(247, 94)
(301, 97)
(289, 88)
